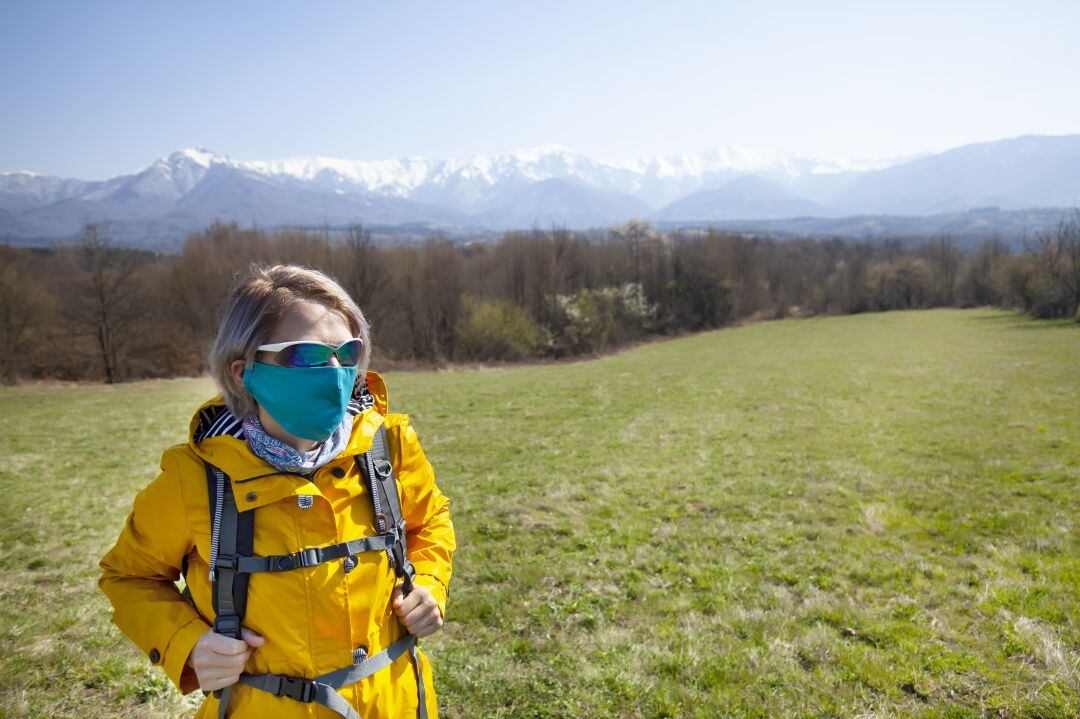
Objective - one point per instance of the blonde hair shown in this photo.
(251, 311)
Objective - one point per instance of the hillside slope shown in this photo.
(843, 516)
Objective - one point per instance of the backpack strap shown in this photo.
(232, 534)
(384, 495)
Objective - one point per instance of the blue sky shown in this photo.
(95, 89)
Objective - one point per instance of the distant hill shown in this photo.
(742, 198)
(1011, 174)
(156, 206)
(968, 228)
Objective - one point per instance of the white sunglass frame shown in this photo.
(278, 346)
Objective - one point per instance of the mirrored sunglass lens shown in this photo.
(349, 353)
(304, 355)
(308, 354)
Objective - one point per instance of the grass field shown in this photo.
(864, 516)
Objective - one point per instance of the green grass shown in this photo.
(872, 515)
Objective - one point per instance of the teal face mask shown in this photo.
(308, 402)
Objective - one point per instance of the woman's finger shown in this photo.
(209, 682)
(224, 661)
(214, 677)
(217, 658)
(220, 683)
(253, 639)
(426, 628)
(409, 603)
(221, 644)
(421, 616)
(420, 610)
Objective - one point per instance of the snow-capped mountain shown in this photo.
(468, 182)
(189, 188)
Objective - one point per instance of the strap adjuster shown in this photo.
(226, 561)
(310, 557)
(298, 688)
(227, 624)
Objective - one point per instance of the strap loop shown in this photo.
(383, 468)
(226, 561)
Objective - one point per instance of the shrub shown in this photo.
(497, 330)
(593, 320)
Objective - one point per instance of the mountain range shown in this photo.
(156, 206)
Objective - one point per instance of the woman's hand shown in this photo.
(419, 611)
(218, 660)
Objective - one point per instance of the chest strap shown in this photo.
(314, 556)
(323, 688)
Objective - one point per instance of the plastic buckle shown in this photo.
(298, 688)
(283, 563)
(309, 557)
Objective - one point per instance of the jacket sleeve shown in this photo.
(430, 533)
(139, 574)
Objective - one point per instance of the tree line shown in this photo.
(92, 311)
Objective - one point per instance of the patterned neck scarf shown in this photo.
(289, 459)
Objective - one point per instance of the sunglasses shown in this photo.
(308, 353)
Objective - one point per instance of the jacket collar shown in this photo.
(226, 449)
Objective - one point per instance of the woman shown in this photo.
(291, 445)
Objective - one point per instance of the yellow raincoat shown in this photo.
(312, 618)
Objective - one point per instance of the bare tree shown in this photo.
(637, 238)
(364, 273)
(23, 305)
(104, 302)
(945, 256)
(1058, 256)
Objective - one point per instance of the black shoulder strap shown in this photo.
(232, 535)
(387, 502)
(235, 533)
(384, 473)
